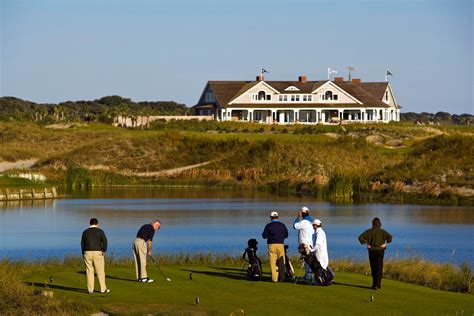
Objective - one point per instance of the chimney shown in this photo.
(339, 79)
(302, 79)
(260, 78)
(356, 80)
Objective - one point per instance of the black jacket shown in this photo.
(93, 239)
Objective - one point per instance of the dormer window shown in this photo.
(261, 96)
(292, 88)
(329, 96)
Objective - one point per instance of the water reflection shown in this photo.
(221, 221)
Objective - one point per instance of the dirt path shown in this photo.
(20, 164)
(170, 171)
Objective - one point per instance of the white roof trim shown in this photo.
(389, 87)
(260, 83)
(338, 88)
(292, 88)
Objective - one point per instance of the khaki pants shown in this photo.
(95, 259)
(139, 254)
(276, 255)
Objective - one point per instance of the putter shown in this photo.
(156, 264)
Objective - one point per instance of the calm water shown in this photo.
(221, 222)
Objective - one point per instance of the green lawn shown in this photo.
(222, 290)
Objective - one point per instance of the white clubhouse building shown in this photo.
(302, 101)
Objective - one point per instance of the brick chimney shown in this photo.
(260, 78)
(339, 79)
(356, 80)
(302, 79)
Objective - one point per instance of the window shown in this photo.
(305, 98)
(328, 95)
(280, 98)
(322, 97)
(269, 97)
(335, 97)
(293, 98)
(297, 98)
(261, 95)
(386, 96)
(209, 97)
(310, 97)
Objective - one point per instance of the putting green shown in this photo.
(222, 291)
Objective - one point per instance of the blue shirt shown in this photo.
(275, 232)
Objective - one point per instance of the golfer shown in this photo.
(303, 223)
(275, 233)
(376, 239)
(142, 248)
(94, 246)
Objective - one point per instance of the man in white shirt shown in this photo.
(320, 246)
(305, 235)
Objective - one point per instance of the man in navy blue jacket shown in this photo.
(275, 233)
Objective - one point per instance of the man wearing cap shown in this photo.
(275, 233)
(320, 247)
(142, 248)
(376, 239)
(303, 223)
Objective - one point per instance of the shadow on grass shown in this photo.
(352, 285)
(110, 277)
(229, 273)
(56, 287)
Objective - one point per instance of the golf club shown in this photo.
(156, 264)
(301, 269)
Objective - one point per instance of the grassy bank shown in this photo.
(387, 162)
(223, 290)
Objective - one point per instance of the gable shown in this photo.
(246, 96)
(343, 96)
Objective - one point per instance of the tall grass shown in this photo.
(17, 298)
(447, 277)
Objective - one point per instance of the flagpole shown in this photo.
(328, 73)
(386, 76)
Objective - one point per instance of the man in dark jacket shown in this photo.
(376, 239)
(94, 246)
(275, 233)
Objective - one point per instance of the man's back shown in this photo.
(93, 239)
(375, 237)
(275, 232)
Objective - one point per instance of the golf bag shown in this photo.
(322, 276)
(254, 270)
(289, 271)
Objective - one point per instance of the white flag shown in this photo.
(332, 71)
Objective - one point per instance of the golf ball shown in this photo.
(168, 279)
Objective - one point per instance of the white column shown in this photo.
(295, 115)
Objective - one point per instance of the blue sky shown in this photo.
(54, 50)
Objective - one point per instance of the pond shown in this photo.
(221, 221)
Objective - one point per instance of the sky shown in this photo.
(59, 50)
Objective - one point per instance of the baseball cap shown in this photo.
(304, 209)
(274, 214)
(317, 222)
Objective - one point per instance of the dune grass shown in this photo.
(223, 290)
(330, 162)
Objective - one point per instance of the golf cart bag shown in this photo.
(322, 276)
(289, 271)
(254, 270)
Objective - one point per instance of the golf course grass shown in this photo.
(223, 290)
